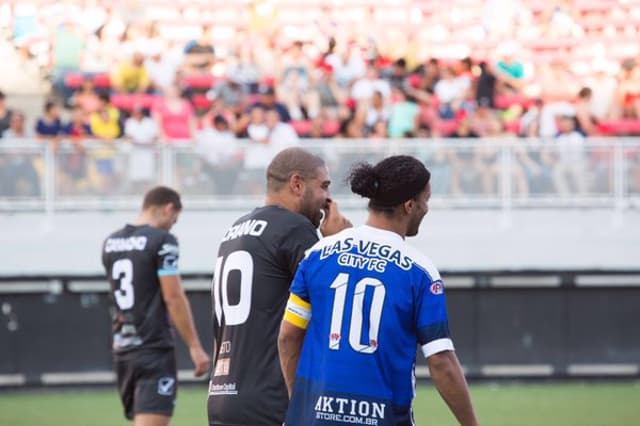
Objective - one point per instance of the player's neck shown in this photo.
(382, 222)
(275, 199)
(146, 218)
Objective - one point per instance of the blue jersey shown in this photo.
(372, 298)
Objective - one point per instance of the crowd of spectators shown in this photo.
(117, 78)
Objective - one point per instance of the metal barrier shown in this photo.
(496, 173)
(537, 324)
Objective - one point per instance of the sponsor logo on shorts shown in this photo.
(166, 386)
(223, 389)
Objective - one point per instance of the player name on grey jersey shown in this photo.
(125, 244)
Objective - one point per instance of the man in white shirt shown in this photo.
(364, 88)
(143, 132)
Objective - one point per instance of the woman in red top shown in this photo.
(174, 116)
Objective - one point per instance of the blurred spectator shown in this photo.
(351, 128)
(296, 94)
(174, 115)
(530, 120)
(567, 157)
(378, 111)
(430, 75)
(483, 121)
(216, 145)
(295, 61)
(555, 81)
(347, 64)
(105, 121)
(403, 120)
(398, 73)
(509, 71)
(585, 120)
(143, 132)
(105, 125)
(268, 100)
(74, 161)
(486, 85)
(161, 68)
(87, 97)
(17, 128)
(257, 130)
(140, 128)
(67, 44)
(131, 76)
(77, 127)
(244, 69)
(628, 93)
(549, 116)
(280, 134)
(5, 114)
(231, 92)
(463, 166)
(451, 91)
(49, 126)
(18, 176)
(330, 94)
(603, 86)
(363, 89)
(199, 54)
(378, 130)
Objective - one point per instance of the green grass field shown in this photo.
(581, 404)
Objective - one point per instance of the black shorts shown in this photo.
(147, 382)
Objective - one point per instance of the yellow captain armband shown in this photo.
(298, 311)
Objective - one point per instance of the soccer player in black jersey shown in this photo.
(256, 262)
(141, 262)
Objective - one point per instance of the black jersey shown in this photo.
(257, 260)
(133, 258)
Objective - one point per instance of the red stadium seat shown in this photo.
(73, 80)
(199, 81)
(122, 101)
(446, 127)
(330, 127)
(102, 80)
(126, 101)
(619, 127)
(302, 127)
(201, 101)
(505, 101)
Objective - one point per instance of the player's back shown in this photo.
(373, 298)
(257, 260)
(133, 258)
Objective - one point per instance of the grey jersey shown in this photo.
(256, 263)
(134, 257)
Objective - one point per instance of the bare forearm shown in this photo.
(289, 350)
(448, 378)
(180, 313)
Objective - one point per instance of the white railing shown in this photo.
(473, 173)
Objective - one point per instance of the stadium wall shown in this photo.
(55, 330)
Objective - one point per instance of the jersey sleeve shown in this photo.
(167, 256)
(432, 322)
(298, 310)
(297, 241)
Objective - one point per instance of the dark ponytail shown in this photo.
(389, 183)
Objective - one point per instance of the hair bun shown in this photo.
(364, 180)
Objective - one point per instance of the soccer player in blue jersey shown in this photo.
(360, 302)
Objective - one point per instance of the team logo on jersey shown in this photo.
(168, 249)
(166, 385)
(437, 287)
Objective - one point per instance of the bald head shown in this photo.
(289, 162)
